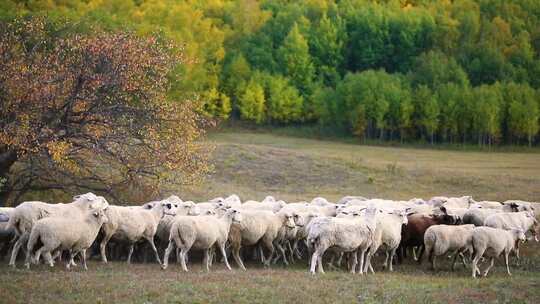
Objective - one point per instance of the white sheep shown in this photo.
(389, 225)
(261, 227)
(353, 235)
(64, 233)
(492, 242)
(26, 214)
(344, 200)
(268, 205)
(524, 220)
(201, 232)
(134, 224)
(440, 239)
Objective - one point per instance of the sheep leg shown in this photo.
(270, 246)
(167, 253)
(489, 267)
(177, 255)
(183, 254)
(68, 264)
(320, 263)
(15, 251)
(354, 262)
(474, 264)
(413, 249)
(314, 261)
(237, 257)
(48, 258)
(506, 262)
(361, 262)
(225, 259)
(291, 256)
(83, 259)
(392, 253)
(153, 246)
(206, 262)
(131, 247)
(283, 254)
(103, 246)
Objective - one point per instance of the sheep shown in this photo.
(524, 220)
(353, 235)
(26, 214)
(477, 216)
(182, 209)
(319, 201)
(453, 202)
(389, 225)
(412, 235)
(232, 201)
(64, 233)
(492, 242)
(201, 232)
(260, 226)
(518, 205)
(488, 204)
(268, 205)
(344, 200)
(133, 224)
(440, 239)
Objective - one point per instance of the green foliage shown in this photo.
(252, 102)
(467, 56)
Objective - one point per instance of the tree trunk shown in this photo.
(7, 159)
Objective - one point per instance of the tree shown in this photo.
(428, 110)
(91, 112)
(523, 111)
(487, 100)
(296, 61)
(284, 102)
(252, 104)
(216, 104)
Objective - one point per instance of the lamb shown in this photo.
(353, 235)
(440, 239)
(492, 242)
(260, 227)
(134, 224)
(62, 233)
(201, 232)
(26, 214)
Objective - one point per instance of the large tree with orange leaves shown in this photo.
(91, 112)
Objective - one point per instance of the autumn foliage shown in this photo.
(91, 112)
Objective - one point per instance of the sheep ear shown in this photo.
(443, 209)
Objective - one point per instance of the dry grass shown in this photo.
(254, 165)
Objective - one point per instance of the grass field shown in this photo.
(254, 165)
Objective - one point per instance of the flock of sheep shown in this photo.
(353, 229)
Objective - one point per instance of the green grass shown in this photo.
(257, 164)
(117, 282)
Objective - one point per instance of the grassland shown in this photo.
(254, 165)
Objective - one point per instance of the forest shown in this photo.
(464, 71)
